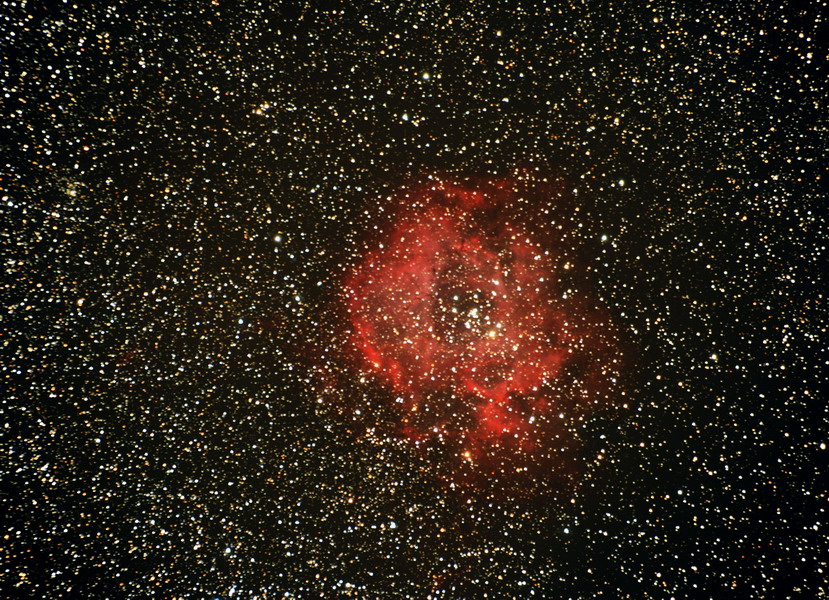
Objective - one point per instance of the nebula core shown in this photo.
(468, 316)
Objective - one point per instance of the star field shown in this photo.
(188, 189)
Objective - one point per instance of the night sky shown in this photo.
(206, 383)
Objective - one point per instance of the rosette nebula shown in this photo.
(472, 318)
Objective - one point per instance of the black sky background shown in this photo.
(184, 185)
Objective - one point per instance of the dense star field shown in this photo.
(417, 301)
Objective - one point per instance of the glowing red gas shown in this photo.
(471, 324)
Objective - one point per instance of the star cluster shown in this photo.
(189, 189)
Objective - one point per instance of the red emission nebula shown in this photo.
(474, 325)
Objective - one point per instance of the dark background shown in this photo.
(160, 426)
